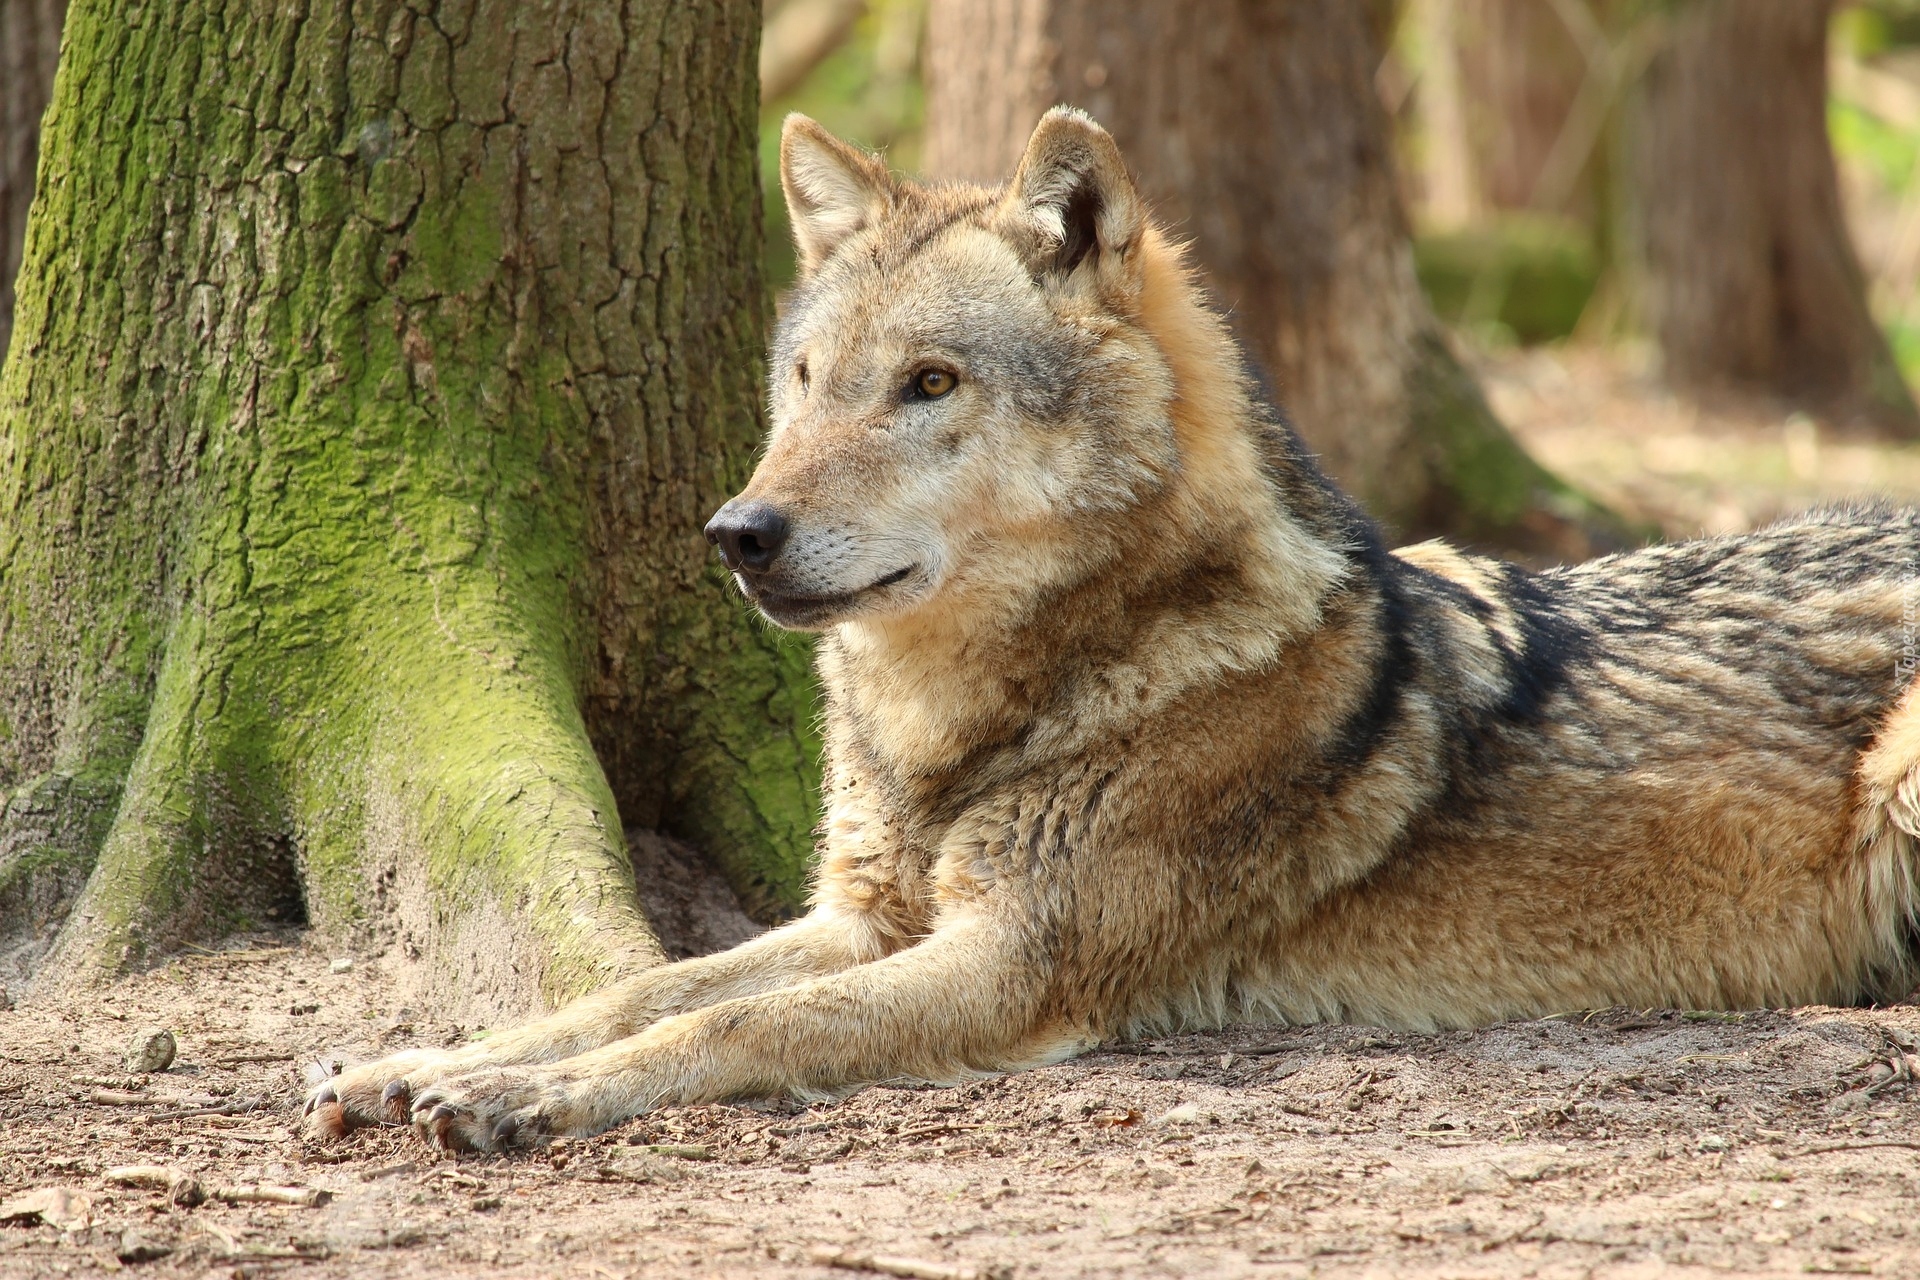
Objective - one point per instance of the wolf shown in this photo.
(1134, 725)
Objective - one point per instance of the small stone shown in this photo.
(136, 1247)
(152, 1050)
(343, 965)
(1185, 1113)
(1713, 1142)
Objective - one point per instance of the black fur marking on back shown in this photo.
(1394, 669)
(1551, 644)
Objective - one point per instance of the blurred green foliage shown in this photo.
(867, 91)
(1860, 137)
(1516, 278)
(1877, 26)
(1884, 153)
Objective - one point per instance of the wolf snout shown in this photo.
(749, 535)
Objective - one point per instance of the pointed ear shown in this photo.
(832, 189)
(1073, 190)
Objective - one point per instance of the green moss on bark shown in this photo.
(374, 372)
(1484, 488)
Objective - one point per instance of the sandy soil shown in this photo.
(1615, 1143)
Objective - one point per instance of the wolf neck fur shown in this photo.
(1232, 577)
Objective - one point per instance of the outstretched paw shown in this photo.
(378, 1092)
(497, 1109)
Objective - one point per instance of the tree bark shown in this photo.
(374, 371)
(1255, 130)
(29, 52)
(1747, 277)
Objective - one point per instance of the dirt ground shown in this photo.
(1614, 1143)
(1609, 1143)
(1600, 418)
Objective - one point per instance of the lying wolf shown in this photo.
(1133, 725)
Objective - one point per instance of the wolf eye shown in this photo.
(800, 372)
(931, 384)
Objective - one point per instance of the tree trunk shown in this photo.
(29, 51)
(1748, 275)
(374, 372)
(1501, 83)
(1255, 130)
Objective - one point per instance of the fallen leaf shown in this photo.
(61, 1207)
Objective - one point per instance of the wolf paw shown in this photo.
(497, 1109)
(378, 1092)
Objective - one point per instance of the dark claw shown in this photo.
(321, 1096)
(505, 1131)
(396, 1099)
(441, 1112)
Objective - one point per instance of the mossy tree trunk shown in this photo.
(375, 367)
(1255, 130)
(29, 51)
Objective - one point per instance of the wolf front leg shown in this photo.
(382, 1091)
(964, 1002)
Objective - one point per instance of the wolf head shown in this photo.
(972, 391)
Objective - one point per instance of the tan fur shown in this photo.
(1132, 726)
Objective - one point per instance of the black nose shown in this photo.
(749, 535)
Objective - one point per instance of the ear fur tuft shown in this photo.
(1073, 189)
(833, 190)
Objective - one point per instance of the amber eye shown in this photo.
(931, 384)
(800, 371)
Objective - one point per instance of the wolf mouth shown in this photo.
(791, 610)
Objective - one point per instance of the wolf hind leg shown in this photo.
(1887, 831)
(382, 1091)
(1890, 771)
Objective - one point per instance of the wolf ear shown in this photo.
(832, 189)
(1073, 190)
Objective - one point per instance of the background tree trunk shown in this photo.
(1256, 131)
(373, 374)
(1501, 80)
(29, 51)
(1748, 277)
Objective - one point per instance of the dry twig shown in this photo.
(1825, 1147)
(184, 1189)
(912, 1268)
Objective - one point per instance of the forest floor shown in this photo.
(1600, 418)
(1613, 1143)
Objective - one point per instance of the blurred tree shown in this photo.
(372, 378)
(1255, 130)
(798, 36)
(1717, 199)
(1745, 271)
(29, 51)
(1501, 80)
